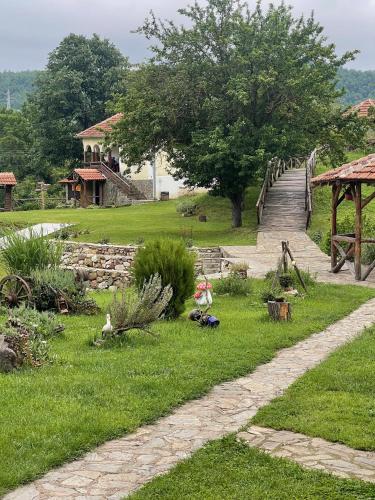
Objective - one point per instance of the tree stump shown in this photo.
(280, 311)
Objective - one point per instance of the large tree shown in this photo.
(229, 90)
(82, 74)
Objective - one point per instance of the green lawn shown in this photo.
(149, 221)
(335, 401)
(90, 395)
(226, 469)
(321, 220)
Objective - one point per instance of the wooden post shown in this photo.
(85, 204)
(336, 188)
(284, 256)
(358, 231)
(8, 205)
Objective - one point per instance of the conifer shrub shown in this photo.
(174, 264)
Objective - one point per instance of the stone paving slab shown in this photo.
(119, 467)
(313, 453)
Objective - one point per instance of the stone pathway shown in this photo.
(119, 467)
(43, 229)
(313, 453)
(264, 257)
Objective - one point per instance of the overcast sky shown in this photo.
(30, 29)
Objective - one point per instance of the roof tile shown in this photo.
(7, 179)
(90, 174)
(102, 128)
(362, 108)
(361, 170)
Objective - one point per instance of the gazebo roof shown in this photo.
(7, 179)
(362, 170)
(86, 174)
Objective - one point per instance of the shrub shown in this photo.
(186, 207)
(174, 264)
(24, 254)
(47, 282)
(134, 311)
(44, 325)
(317, 237)
(345, 225)
(233, 285)
(26, 333)
(286, 280)
(291, 278)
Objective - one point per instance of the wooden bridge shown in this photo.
(284, 210)
(285, 200)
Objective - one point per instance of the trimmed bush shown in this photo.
(174, 264)
(234, 285)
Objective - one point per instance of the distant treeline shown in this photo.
(19, 83)
(359, 85)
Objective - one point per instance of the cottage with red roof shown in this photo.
(153, 179)
(7, 182)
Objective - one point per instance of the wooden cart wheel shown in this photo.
(14, 291)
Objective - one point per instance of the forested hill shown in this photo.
(359, 85)
(19, 83)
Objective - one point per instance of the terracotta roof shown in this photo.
(358, 170)
(7, 179)
(363, 108)
(102, 128)
(90, 174)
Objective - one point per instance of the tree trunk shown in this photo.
(237, 207)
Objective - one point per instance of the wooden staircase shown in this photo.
(124, 185)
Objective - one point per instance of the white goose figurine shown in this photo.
(107, 328)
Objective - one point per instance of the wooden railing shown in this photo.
(275, 168)
(310, 172)
(123, 184)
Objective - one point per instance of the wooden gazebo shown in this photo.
(346, 182)
(86, 186)
(7, 182)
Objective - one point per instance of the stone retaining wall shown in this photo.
(104, 266)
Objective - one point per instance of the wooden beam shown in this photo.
(344, 256)
(367, 200)
(368, 271)
(358, 231)
(336, 188)
(346, 239)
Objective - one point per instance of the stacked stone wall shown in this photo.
(105, 266)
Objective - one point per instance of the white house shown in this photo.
(153, 178)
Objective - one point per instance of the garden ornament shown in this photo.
(204, 319)
(107, 328)
(203, 295)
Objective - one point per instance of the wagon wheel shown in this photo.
(14, 291)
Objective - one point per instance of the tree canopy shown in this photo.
(71, 94)
(230, 90)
